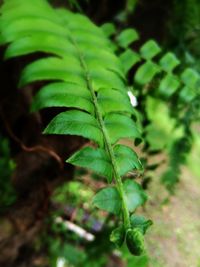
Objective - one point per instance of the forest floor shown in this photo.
(174, 239)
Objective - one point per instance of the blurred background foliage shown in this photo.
(7, 165)
(75, 233)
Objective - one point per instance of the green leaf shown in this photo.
(131, 5)
(126, 37)
(149, 50)
(108, 199)
(96, 59)
(187, 94)
(52, 68)
(109, 29)
(113, 100)
(72, 254)
(76, 122)
(12, 10)
(169, 62)
(126, 159)
(190, 77)
(169, 84)
(129, 58)
(106, 78)
(63, 95)
(32, 44)
(146, 73)
(26, 26)
(120, 126)
(140, 222)
(94, 159)
(134, 194)
(98, 161)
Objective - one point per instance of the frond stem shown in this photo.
(108, 145)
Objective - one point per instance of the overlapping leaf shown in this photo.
(63, 94)
(98, 160)
(135, 196)
(76, 122)
(109, 198)
(94, 159)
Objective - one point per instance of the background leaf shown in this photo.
(129, 58)
(168, 85)
(146, 72)
(169, 61)
(126, 37)
(150, 49)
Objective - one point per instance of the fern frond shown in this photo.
(177, 90)
(85, 75)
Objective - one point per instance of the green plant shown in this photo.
(88, 76)
(184, 31)
(89, 79)
(168, 100)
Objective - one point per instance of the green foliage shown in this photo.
(65, 253)
(167, 94)
(149, 68)
(91, 85)
(7, 166)
(109, 199)
(149, 50)
(130, 5)
(98, 161)
(184, 31)
(129, 58)
(83, 75)
(74, 192)
(146, 73)
(76, 123)
(94, 159)
(140, 222)
(74, 66)
(125, 38)
(193, 158)
(169, 62)
(59, 235)
(109, 29)
(135, 196)
(169, 85)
